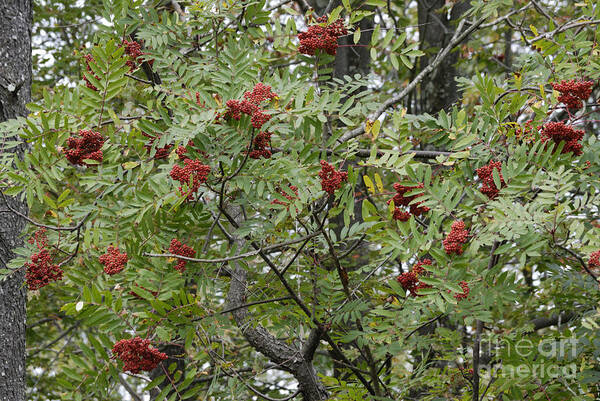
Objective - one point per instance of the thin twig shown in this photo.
(456, 39)
(236, 257)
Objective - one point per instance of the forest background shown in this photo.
(380, 199)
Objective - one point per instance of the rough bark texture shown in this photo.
(15, 92)
(436, 28)
(287, 357)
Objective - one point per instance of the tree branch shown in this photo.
(456, 39)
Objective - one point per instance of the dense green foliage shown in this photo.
(328, 263)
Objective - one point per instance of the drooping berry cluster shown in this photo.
(259, 146)
(89, 59)
(251, 105)
(137, 355)
(401, 199)
(260, 93)
(113, 260)
(331, 180)
(134, 50)
(594, 259)
(465, 293)
(177, 248)
(161, 153)
(182, 151)
(558, 132)
(41, 271)
(290, 198)
(86, 145)
(194, 170)
(456, 238)
(486, 175)
(410, 280)
(321, 36)
(573, 93)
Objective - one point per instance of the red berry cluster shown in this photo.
(399, 214)
(465, 293)
(182, 151)
(527, 133)
(137, 355)
(400, 199)
(132, 293)
(331, 180)
(161, 153)
(113, 261)
(486, 175)
(84, 146)
(290, 198)
(134, 50)
(41, 271)
(410, 280)
(251, 105)
(260, 93)
(594, 259)
(572, 93)
(558, 132)
(90, 59)
(177, 248)
(259, 146)
(321, 36)
(456, 238)
(193, 169)
(465, 371)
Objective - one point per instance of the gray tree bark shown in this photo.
(287, 357)
(436, 27)
(15, 92)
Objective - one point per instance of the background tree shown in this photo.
(252, 200)
(15, 86)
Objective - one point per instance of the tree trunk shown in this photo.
(15, 92)
(436, 27)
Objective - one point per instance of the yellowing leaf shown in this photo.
(369, 184)
(375, 129)
(534, 30)
(378, 182)
(368, 126)
(130, 165)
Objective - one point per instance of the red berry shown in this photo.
(594, 259)
(134, 50)
(137, 355)
(400, 199)
(322, 37)
(572, 93)
(456, 238)
(177, 248)
(86, 145)
(89, 59)
(486, 175)
(465, 293)
(41, 271)
(290, 198)
(331, 180)
(194, 170)
(113, 261)
(410, 280)
(558, 132)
